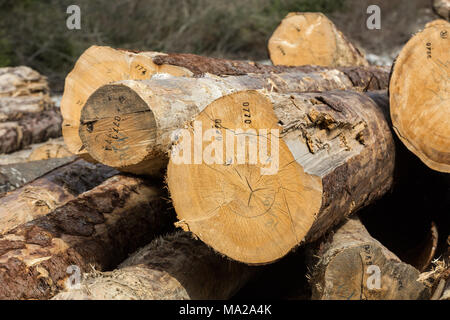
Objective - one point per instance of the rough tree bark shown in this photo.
(331, 154)
(419, 95)
(39, 127)
(172, 267)
(312, 39)
(46, 193)
(128, 125)
(99, 66)
(351, 265)
(13, 176)
(22, 81)
(98, 229)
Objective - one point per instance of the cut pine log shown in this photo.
(46, 193)
(175, 267)
(22, 81)
(351, 265)
(50, 150)
(331, 154)
(39, 127)
(98, 229)
(419, 95)
(15, 108)
(13, 176)
(129, 124)
(312, 39)
(99, 66)
(24, 154)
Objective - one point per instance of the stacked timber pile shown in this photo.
(268, 168)
(27, 114)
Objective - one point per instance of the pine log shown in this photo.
(98, 229)
(128, 124)
(312, 39)
(13, 176)
(22, 81)
(24, 154)
(419, 95)
(351, 265)
(39, 127)
(15, 108)
(99, 66)
(174, 267)
(48, 192)
(50, 150)
(333, 153)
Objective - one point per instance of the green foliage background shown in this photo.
(34, 32)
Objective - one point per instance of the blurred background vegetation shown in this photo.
(34, 32)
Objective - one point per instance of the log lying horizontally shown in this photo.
(351, 265)
(13, 176)
(39, 127)
(45, 194)
(173, 267)
(128, 124)
(50, 150)
(97, 229)
(99, 66)
(420, 95)
(25, 154)
(27, 114)
(311, 38)
(22, 81)
(331, 154)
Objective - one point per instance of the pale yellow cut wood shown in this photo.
(420, 95)
(129, 124)
(310, 38)
(50, 150)
(102, 65)
(98, 66)
(352, 265)
(335, 154)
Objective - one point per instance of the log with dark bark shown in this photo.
(332, 153)
(48, 192)
(305, 38)
(172, 267)
(419, 95)
(111, 65)
(53, 148)
(13, 176)
(351, 265)
(39, 127)
(98, 229)
(129, 125)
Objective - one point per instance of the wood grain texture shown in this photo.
(310, 38)
(100, 66)
(419, 95)
(97, 229)
(336, 155)
(172, 267)
(351, 265)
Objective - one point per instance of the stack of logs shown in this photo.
(338, 140)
